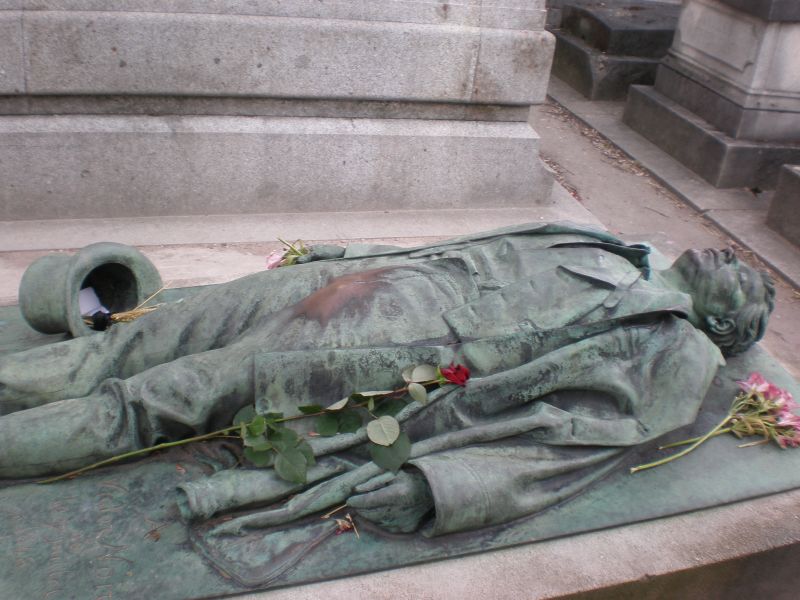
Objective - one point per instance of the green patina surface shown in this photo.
(602, 367)
(117, 533)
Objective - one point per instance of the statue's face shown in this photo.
(719, 284)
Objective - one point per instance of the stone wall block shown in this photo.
(419, 11)
(784, 210)
(513, 66)
(189, 54)
(513, 14)
(115, 166)
(739, 55)
(12, 76)
(770, 10)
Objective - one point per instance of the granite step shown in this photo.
(642, 29)
(596, 74)
(721, 160)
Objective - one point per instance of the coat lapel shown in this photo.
(566, 295)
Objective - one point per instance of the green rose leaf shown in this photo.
(245, 415)
(383, 430)
(424, 373)
(390, 406)
(327, 424)
(257, 426)
(254, 440)
(305, 449)
(291, 465)
(264, 446)
(349, 421)
(339, 405)
(310, 409)
(260, 458)
(391, 457)
(283, 438)
(418, 392)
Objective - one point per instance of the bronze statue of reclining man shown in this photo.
(578, 351)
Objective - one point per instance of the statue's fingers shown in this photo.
(378, 514)
(385, 496)
(374, 483)
(361, 502)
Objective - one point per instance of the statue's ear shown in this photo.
(720, 325)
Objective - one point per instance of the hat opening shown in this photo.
(115, 285)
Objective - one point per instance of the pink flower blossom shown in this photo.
(788, 441)
(274, 259)
(785, 401)
(788, 419)
(755, 383)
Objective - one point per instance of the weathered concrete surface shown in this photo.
(784, 211)
(110, 52)
(596, 74)
(723, 113)
(723, 161)
(747, 60)
(512, 14)
(257, 107)
(12, 78)
(770, 10)
(353, 105)
(728, 73)
(631, 29)
(602, 49)
(116, 166)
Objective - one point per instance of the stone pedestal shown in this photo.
(602, 48)
(729, 90)
(784, 210)
(148, 108)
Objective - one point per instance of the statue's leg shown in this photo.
(74, 368)
(189, 396)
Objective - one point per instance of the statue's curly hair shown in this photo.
(751, 321)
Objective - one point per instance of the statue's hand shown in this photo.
(321, 252)
(398, 503)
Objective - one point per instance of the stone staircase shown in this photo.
(604, 47)
(170, 122)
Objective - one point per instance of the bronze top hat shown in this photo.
(121, 276)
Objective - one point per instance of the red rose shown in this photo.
(457, 374)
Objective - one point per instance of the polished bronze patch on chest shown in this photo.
(348, 292)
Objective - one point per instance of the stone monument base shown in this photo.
(784, 210)
(721, 160)
(601, 49)
(143, 166)
(726, 101)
